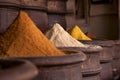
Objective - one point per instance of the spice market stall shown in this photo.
(24, 40)
(91, 66)
(17, 69)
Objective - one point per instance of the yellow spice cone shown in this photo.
(77, 33)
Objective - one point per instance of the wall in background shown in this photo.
(103, 19)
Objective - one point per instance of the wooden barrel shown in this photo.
(59, 67)
(36, 4)
(39, 17)
(91, 67)
(106, 72)
(15, 3)
(13, 69)
(108, 48)
(116, 60)
(8, 11)
(37, 10)
(56, 18)
(57, 6)
(117, 49)
(106, 57)
(7, 15)
(56, 12)
(92, 77)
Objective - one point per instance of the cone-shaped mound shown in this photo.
(62, 38)
(23, 38)
(77, 33)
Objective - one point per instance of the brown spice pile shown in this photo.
(23, 39)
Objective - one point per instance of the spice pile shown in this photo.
(61, 38)
(23, 38)
(77, 33)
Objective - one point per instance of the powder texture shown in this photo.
(61, 38)
(23, 38)
(77, 33)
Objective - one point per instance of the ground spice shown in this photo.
(77, 33)
(62, 38)
(23, 39)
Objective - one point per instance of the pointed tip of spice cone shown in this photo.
(57, 26)
(22, 13)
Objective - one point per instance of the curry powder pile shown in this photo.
(23, 38)
(77, 33)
